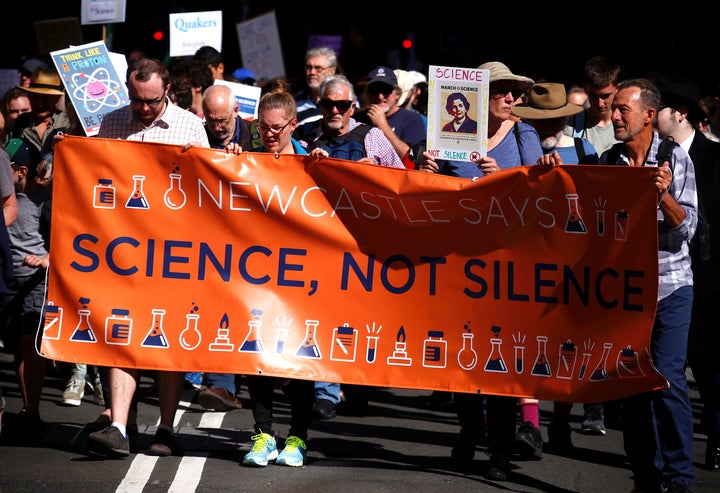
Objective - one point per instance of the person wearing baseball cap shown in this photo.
(404, 129)
(46, 93)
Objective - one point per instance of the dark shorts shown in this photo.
(21, 307)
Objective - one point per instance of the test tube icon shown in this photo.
(371, 353)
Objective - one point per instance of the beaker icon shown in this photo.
(155, 337)
(137, 199)
(541, 368)
(174, 196)
(309, 347)
(600, 372)
(495, 361)
(467, 357)
(252, 342)
(83, 331)
(191, 336)
(575, 223)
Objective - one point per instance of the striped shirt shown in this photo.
(674, 243)
(174, 126)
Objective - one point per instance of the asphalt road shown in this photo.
(402, 444)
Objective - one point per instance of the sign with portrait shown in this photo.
(457, 112)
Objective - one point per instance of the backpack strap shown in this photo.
(579, 148)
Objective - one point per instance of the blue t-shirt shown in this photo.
(513, 150)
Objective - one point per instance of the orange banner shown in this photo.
(529, 282)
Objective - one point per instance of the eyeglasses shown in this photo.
(341, 105)
(504, 90)
(218, 121)
(315, 68)
(150, 102)
(273, 130)
(380, 88)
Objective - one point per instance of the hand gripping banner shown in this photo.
(532, 281)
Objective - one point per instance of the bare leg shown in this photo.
(170, 384)
(123, 383)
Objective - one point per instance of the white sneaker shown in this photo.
(74, 390)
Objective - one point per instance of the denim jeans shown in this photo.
(329, 391)
(222, 380)
(658, 431)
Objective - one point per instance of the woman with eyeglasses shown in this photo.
(510, 143)
(277, 119)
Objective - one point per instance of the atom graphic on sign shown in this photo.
(96, 90)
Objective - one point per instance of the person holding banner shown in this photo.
(339, 135)
(658, 425)
(510, 143)
(277, 120)
(150, 117)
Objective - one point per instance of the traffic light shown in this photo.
(158, 35)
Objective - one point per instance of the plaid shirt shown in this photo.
(175, 126)
(673, 243)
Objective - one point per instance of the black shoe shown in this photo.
(559, 440)
(164, 444)
(30, 426)
(529, 441)
(323, 409)
(463, 453)
(109, 442)
(499, 467)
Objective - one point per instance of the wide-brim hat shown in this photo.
(546, 100)
(677, 91)
(499, 71)
(44, 81)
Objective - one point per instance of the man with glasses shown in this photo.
(337, 127)
(320, 62)
(226, 129)
(404, 129)
(150, 117)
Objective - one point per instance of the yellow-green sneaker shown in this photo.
(263, 450)
(293, 454)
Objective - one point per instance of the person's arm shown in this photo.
(10, 209)
(378, 118)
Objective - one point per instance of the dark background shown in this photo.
(532, 40)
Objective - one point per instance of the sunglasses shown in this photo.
(341, 105)
(380, 88)
(503, 90)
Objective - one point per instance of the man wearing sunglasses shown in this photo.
(337, 128)
(404, 129)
